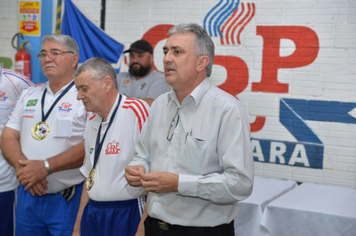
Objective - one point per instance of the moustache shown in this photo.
(49, 65)
(170, 64)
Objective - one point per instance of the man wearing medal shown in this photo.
(109, 205)
(43, 141)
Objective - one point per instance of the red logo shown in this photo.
(66, 105)
(112, 148)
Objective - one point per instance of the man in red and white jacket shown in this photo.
(109, 205)
(11, 86)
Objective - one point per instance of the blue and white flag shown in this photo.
(92, 41)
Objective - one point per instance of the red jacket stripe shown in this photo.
(140, 102)
(137, 104)
(136, 113)
(92, 117)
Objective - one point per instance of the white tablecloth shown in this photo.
(312, 210)
(247, 223)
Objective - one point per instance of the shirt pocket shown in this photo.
(195, 155)
(62, 126)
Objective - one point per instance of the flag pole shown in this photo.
(102, 14)
(58, 22)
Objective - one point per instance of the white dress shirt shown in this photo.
(210, 150)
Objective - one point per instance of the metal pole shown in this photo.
(102, 14)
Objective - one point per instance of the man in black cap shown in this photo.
(142, 81)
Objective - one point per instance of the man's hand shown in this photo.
(160, 182)
(133, 175)
(38, 189)
(32, 172)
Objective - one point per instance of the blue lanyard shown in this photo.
(98, 144)
(44, 117)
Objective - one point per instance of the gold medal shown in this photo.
(90, 179)
(40, 130)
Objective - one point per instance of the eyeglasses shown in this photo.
(53, 54)
(173, 124)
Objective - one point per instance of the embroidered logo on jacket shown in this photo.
(143, 85)
(65, 106)
(31, 103)
(112, 148)
(2, 97)
(28, 111)
(127, 82)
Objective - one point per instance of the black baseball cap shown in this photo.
(140, 46)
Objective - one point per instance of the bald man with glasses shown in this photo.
(43, 141)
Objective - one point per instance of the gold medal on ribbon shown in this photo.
(40, 130)
(90, 179)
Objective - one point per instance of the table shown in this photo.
(312, 210)
(247, 222)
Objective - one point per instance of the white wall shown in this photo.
(322, 88)
(8, 27)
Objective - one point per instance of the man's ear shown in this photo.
(107, 83)
(75, 59)
(203, 62)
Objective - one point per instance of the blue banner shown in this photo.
(288, 153)
(92, 41)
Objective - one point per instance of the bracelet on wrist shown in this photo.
(46, 164)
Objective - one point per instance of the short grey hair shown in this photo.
(65, 40)
(99, 68)
(203, 44)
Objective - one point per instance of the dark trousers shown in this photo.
(154, 227)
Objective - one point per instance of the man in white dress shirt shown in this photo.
(194, 157)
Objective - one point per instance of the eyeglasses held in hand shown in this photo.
(172, 126)
(53, 54)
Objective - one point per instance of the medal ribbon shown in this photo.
(44, 117)
(98, 144)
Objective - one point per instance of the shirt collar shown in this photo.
(113, 107)
(64, 87)
(197, 94)
(172, 97)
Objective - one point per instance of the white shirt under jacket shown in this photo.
(210, 150)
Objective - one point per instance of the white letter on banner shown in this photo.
(258, 150)
(299, 149)
(277, 153)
